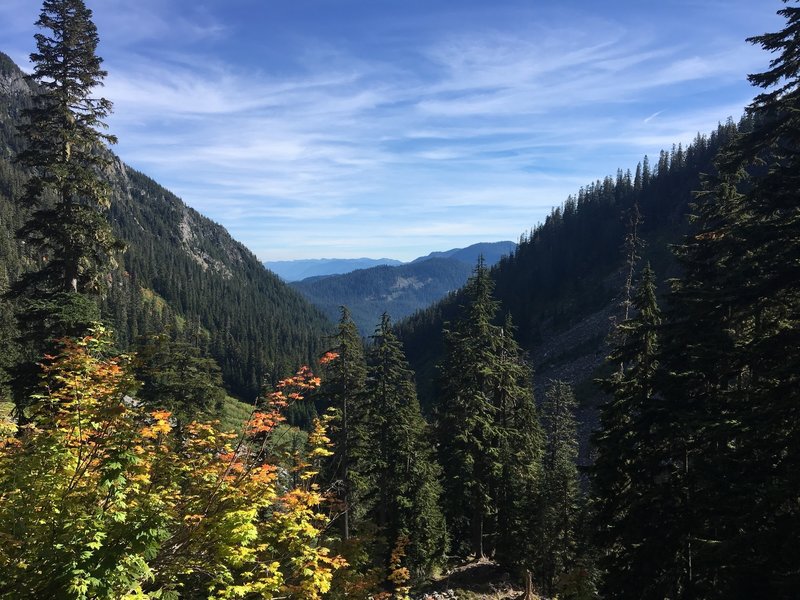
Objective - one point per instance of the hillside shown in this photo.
(181, 272)
(563, 284)
(398, 290)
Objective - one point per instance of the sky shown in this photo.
(393, 128)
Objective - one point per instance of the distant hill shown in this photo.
(399, 290)
(492, 252)
(296, 270)
(181, 273)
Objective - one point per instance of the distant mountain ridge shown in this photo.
(301, 269)
(492, 252)
(399, 290)
(297, 270)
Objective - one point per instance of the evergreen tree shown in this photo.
(345, 377)
(400, 464)
(67, 232)
(558, 505)
(488, 430)
(734, 358)
(624, 468)
(65, 155)
(521, 452)
(175, 376)
(467, 420)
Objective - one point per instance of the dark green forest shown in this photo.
(449, 444)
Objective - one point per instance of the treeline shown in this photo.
(696, 475)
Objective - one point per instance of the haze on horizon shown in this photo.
(360, 128)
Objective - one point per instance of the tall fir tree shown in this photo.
(559, 496)
(624, 466)
(65, 154)
(488, 432)
(400, 464)
(175, 375)
(521, 451)
(67, 231)
(734, 352)
(343, 391)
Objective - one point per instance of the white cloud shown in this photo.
(464, 131)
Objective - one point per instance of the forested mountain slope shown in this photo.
(563, 284)
(180, 273)
(398, 290)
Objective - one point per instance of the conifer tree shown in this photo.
(624, 468)
(467, 420)
(175, 376)
(558, 506)
(67, 231)
(346, 373)
(488, 431)
(65, 154)
(400, 464)
(733, 354)
(521, 451)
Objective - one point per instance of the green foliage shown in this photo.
(66, 232)
(399, 465)
(732, 356)
(234, 414)
(41, 321)
(345, 375)
(180, 271)
(101, 500)
(559, 496)
(74, 488)
(176, 377)
(63, 151)
(563, 269)
(623, 470)
(487, 429)
(711, 452)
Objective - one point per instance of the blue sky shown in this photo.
(348, 128)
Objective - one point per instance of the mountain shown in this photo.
(296, 270)
(181, 272)
(492, 252)
(398, 290)
(563, 284)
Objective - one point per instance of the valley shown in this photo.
(607, 408)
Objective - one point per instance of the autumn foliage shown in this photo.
(99, 498)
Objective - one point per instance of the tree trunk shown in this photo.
(528, 586)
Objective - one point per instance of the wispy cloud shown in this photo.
(406, 134)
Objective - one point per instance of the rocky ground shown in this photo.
(475, 580)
